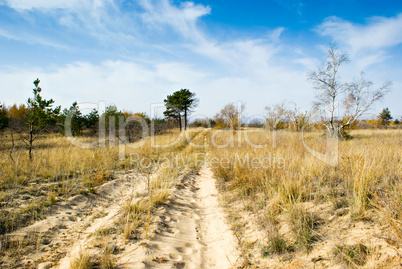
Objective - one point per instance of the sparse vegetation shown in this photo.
(83, 261)
(299, 193)
(353, 256)
(277, 244)
(114, 165)
(302, 223)
(293, 198)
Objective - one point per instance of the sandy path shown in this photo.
(63, 234)
(130, 190)
(189, 231)
(192, 232)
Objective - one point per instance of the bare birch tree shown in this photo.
(357, 97)
(360, 98)
(328, 85)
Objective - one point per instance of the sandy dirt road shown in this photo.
(192, 231)
(188, 231)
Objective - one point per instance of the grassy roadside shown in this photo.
(61, 170)
(306, 208)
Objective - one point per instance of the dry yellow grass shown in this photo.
(289, 193)
(290, 187)
(60, 170)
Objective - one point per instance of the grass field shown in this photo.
(284, 204)
(61, 170)
(304, 205)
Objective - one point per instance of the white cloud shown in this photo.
(366, 42)
(219, 71)
(134, 86)
(182, 19)
(44, 4)
(150, 23)
(33, 39)
(258, 71)
(378, 33)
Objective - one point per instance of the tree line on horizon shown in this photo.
(39, 116)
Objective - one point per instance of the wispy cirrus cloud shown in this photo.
(33, 39)
(378, 33)
(146, 49)
(147, 23)
(183, 19)
(189, 56)
(366, 42)
(43, 5)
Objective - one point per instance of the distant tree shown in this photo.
(188, 101)
(373, 123)
(173, 108)
(385, 116)
(359, 94)
(144, 116)
(159, 126)
(75, 118)
(300, 119)
(180, 104)
(206, 123)
(39, 116)
(136, 125)
(111, 119)
(91, 121)
(256, 123)
(17, 113)
(276, 115)
(230, 116)
(3, 118)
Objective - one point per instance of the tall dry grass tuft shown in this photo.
(303, 224)
(352, 256)
(83, 261)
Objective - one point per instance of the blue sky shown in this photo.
(133, 53)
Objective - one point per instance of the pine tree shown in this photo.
(39, 117)
(385, 116)
(3, 118)
(180, 104)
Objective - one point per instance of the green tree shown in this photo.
(136, 126)
(74, 119)
(91, 120)
(180, 104)
(188, 102)
(39, 117)
(385, 116)
(173, 108)
(3, 118)
(111, 118)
